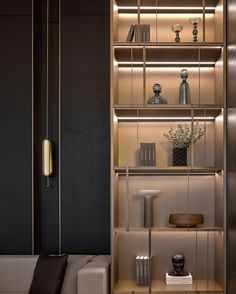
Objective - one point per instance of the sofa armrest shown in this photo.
(94, 277)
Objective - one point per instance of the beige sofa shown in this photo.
(85, 274)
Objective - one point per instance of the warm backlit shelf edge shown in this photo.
(181, 45)
(166, 55)
(167, 112)
(157, 286)
(162, 10)
(161, 6)
(167, 171)
(170, 229)
(168, 106)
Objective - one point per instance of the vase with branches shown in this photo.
(181, 138)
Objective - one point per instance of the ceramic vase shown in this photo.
(179, 156)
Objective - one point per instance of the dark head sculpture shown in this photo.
(178, 264)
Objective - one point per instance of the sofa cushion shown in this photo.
(74, 264)
(49, 274)
(16, 273)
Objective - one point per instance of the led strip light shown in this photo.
(209, 63)
(200, 118)
(147, 46)
(164, 8)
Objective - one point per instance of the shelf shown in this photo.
(167, 112)
(167, 54)
(171, 229)
(164, 9)
(167, 171)
(166, 6)
(160, 286)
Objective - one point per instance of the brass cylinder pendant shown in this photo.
(47, 164)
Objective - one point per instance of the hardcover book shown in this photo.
(130, 35)
(147, 154)
(137, 265)
(142, 268)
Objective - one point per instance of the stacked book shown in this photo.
(142, 270)
(139, 33)
(147, 154)
(179, 280)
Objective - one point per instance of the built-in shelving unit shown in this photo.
(197, 187)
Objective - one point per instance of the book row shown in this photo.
(142, 270)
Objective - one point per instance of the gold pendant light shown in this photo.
(47, 158)
(47, 161)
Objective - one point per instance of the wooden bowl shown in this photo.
(186, 220)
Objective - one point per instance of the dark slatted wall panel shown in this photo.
(15, 127)
(84, 121)
(46, 199)
(85, 127)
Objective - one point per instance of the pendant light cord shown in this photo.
(47, 74)
(47, 83)
(32, 130)
(59, 135)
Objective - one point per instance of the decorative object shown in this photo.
(178, 276)
(148, 196)
(177, 28)
(47, 162)
(182, 138)
(184, 91)
(147, 154)
(178, 264)
(179, 156)
(195, 21)
(142, 270)
(186, 220)
(157, 98)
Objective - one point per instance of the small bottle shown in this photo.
(184, 90)
(157, 98)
